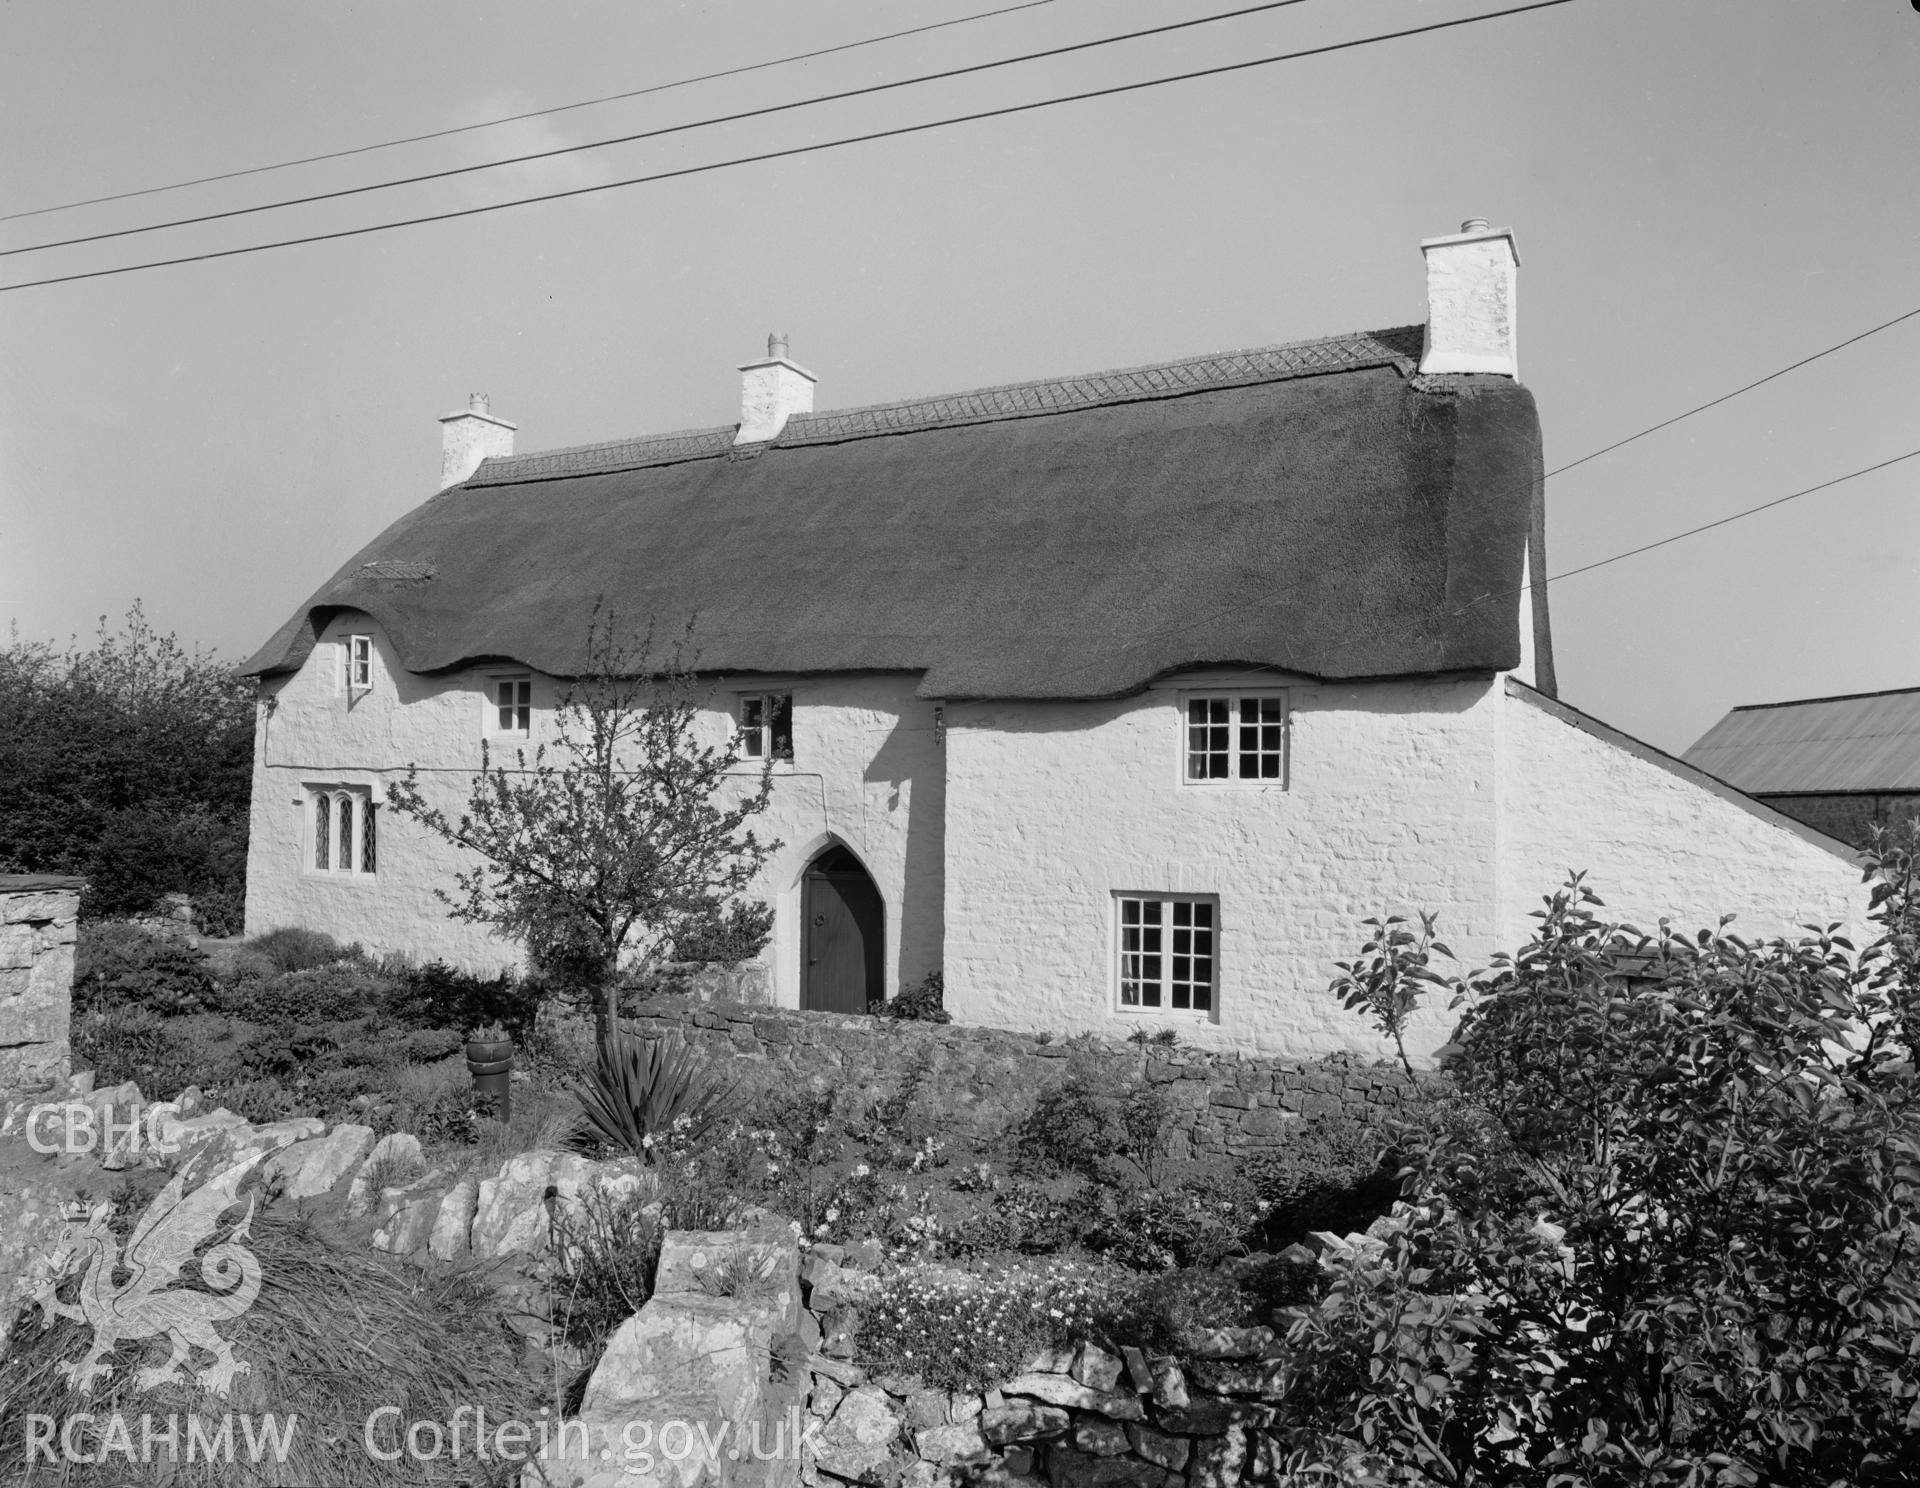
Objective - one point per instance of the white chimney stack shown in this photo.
(1470, 301)
(771, 392)
(470, 436)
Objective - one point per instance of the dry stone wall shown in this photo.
(1227, 1104)
(38, 915)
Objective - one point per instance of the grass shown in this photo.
(334, 1336)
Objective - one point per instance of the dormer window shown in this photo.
(512, 710)
(766, 726)
(1236, 737)
(357, 657)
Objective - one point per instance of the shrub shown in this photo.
(438, 996)
(293, 949)
(740, 934)
(922, 1002)
(119, 1044)
(144, 853)
(117, 965)
(1332, 1174)
(1199, 1222)
(1689, 1254)
(1096, 1126)
(325, 994)
(260, 1100)
(643, 1087)
(129, 763)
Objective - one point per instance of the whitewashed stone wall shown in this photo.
(1056, 807)
(999, 854)
(866, 774)
(38, 917)
(1656, 837)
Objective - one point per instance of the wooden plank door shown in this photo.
(845, 965)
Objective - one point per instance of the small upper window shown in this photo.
(358, 657)
(512, 705)
(1237, 737)
(766, 726)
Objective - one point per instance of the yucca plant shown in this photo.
(643, 1087)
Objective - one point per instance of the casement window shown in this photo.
(766, 726)
(510, 710)
(1237, 736)
(1167, 955)
(342, 830)
(356, 663)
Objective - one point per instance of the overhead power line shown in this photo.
(540, 113)
(1735, 517)
(1726, 397)
(879, 134)
(649, 134)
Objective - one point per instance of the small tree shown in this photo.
(1386, 979)
(618, 838)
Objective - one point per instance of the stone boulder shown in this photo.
(453, 1222)
(393, 1160)
(315, 1166)
(409, 1227)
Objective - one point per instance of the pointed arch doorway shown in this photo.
(843, 936)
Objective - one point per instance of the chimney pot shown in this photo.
(470, 436)
(771, 392)
(1471, 279)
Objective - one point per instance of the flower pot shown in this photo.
(491, 1065)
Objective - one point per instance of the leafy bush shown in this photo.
(922, 1002)
(1332, 1174)
(740, 934)
(117, 965)
(642, 1088)
(294, 949)
(144, 853)
(129, 763)
(1096, 1126)
(344, 989)
(119, 1044)
(1198, 1222)
(438, 996)
(1686, 1255)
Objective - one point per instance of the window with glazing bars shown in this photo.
(513, 700)
(766, 726)
(1166, 952)
(344, 830)
(357, 657)
(1236, 738)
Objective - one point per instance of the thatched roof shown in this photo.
(1313, 507)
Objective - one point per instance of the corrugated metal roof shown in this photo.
(1865, 742)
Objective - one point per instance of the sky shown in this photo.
(1701, 191)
